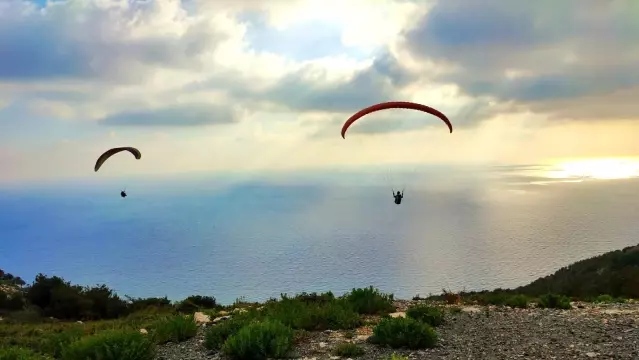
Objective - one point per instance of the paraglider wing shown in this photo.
(394, 105)
(107, 154)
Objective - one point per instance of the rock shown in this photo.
(239, 311)
(201, 318)
(143, 332)
(223, 313)
(221, 318)
(398, 314)
(591, 354)
(362, 337)
(322, 345)
(79, 322)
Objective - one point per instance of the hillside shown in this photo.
(615, 273)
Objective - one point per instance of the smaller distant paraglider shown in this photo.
(107, 154)
(395, 105)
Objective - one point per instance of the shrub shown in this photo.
(111, 345)
(18, 353)
(315, 297)
(553, 301)
(604, 299)
(186, 307)
(54, 343)
(349, 350)
(497, 298)
(370, 301)
(175, 329)
(404, 332)
(260, 340)
(426, 314)
(11, 301)
(105, 304)
(204, 302)
(518, 301)
(297, 314)
(397, 357)
(216, 335)
(137, 304)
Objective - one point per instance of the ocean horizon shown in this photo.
(259, 237)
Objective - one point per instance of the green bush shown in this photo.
(138, 304)
(496, 298)
(175, 329)
(349, 350)
(370, 301)
(186, 307)
(17, 353)
(404, 332)
(315, 297)
(203, 302)
(554, 301)
(297, 314)
(217, 334)
(111, 345)
(427, 314)
(54, 343)
(518, 301)
(260, 340)
(397, 357)
(11, 301)
(606, 299)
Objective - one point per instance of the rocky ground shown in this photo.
(479, 332)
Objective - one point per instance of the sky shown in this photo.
(251, 85)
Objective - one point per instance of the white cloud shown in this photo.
(189, 69)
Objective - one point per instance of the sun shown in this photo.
(607, 168)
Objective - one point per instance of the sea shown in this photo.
(257, 236)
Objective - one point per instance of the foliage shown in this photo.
(404, 332)
(349, 350)
(111, 345)
(175, 328)
(554, 301)
(615, 273)
(260, 340)
(427, 314)
(216, 335)
(370, 301)
(17, 353)
(518, 301)
(298, 314)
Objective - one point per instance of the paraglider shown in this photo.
(398, 197)
(107, 154)
(395, 105)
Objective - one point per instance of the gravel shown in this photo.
(480, 332)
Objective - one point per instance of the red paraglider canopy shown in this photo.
(394, 105)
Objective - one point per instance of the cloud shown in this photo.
(184, 115)
(533, 53)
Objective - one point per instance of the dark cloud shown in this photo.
(532, 53)
(185, 115)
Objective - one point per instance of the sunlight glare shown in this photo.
(607, 168)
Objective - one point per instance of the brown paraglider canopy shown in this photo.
(107, 154)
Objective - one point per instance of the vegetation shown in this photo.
(404, 332)
(349, 350)
(260, 340)
(552, 301)
(427, 314)
(111, 345)
(175, 328)
(54, 319)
